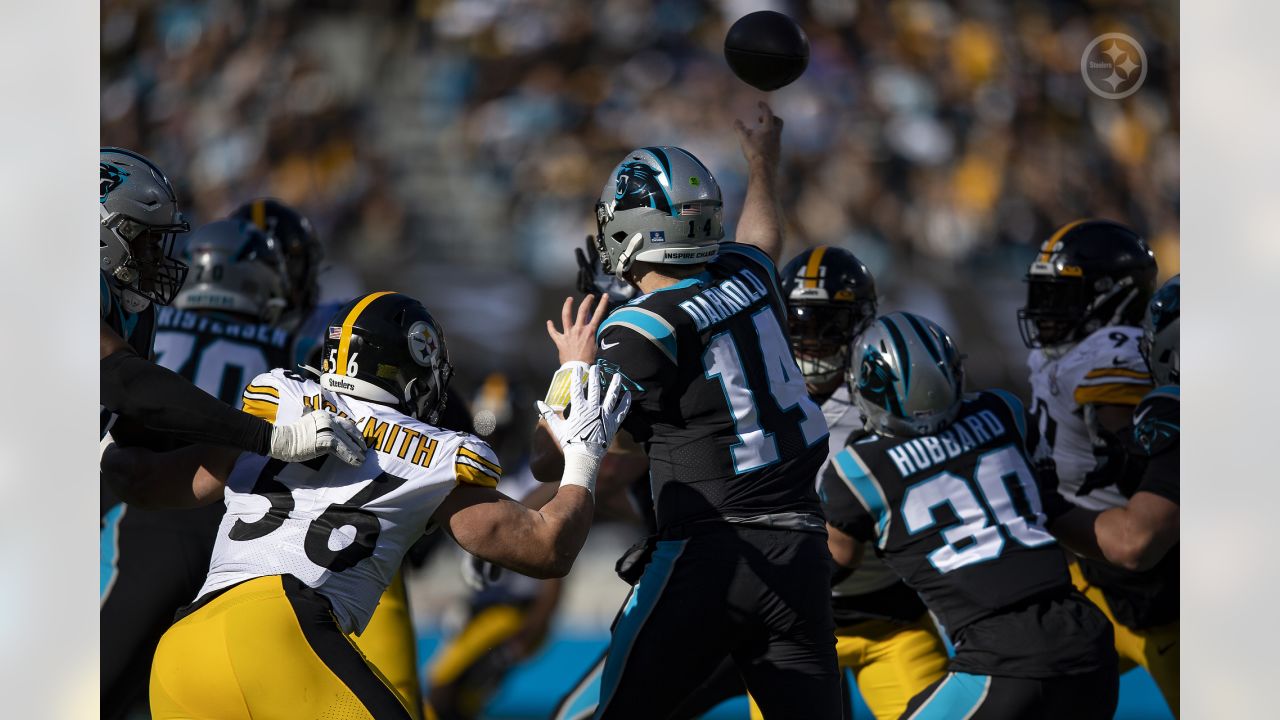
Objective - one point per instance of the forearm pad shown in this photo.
(162, 400)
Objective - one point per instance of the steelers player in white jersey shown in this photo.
(390, 641)
(884, 633)
(1087, 290)
(1143, 534)
(305, 550)
(218, 334)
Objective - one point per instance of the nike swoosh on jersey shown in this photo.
(605, 346)
(1137, 420)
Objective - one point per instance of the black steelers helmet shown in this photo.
(1090, 274)
(296, 241)
(385, 347)
(831, 299)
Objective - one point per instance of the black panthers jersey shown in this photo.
(216, 353)
(137, 329)
(956, 514)
(1149, 598)
(717, 399)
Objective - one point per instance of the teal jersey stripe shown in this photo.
(1015, 406)
(1167, 391)
(864, 488)
(959, 696)
(644, 598)
(653, 327)
(108, 553)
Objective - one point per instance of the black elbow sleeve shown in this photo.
(162, 400)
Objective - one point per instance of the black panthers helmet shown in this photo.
(831, 299)
(1090, 274)
(296, 241)
(385, 347)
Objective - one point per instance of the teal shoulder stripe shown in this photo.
(1166, 391)
(1015, 406)
(759, 256)
(868, 492)
(648, 324)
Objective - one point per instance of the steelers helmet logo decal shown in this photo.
(423, 344)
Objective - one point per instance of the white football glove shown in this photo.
(316, 433)
(585, 435)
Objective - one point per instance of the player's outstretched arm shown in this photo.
(188, 477)
(544, 543)
(761, 221)
(163, 400)
(1134, 537)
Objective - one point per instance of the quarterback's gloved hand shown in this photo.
(316, 433)
(478, 573)
(594, 418)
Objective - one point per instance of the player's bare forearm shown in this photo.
(1137, 536)
(546, 459)
(538, 543)
(188, 477)
(761, 221)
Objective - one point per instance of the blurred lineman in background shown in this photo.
(139, 221)
(1087, 290)
(884, 633)
(1142, 534)
(939, 485)
(219, 335)
(740, 567)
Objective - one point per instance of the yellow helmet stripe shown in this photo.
(258, 213)
(811, 269)
(1047, 250)
(344, 341)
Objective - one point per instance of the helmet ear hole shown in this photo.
(619, 236)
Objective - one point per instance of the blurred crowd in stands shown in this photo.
(459, 145)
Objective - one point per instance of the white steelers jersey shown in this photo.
(342, 530)
(1104, 369)
(842, 419)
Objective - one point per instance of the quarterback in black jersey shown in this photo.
(939, 485)
(740, 567)
(1141, 537)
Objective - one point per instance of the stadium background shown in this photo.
(453, 149)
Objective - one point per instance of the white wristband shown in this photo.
(558, 393)
(580, 469)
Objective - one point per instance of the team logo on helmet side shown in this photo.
(875, 381)
(110, 177)
(639, 185)
(423, 344)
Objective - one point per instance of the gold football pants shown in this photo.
(266, 648)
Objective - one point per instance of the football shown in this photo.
(766, 50)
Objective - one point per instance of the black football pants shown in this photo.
(761, 597)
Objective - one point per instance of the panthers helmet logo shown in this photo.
(638, 186)
(875, 382)
(110, 177)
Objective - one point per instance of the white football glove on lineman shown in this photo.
(585, 435)
(478, 573)
(316, 433)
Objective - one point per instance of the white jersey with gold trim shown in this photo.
(842, 419)
(342, 530)
(1104, 369)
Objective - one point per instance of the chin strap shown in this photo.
(628, 253)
